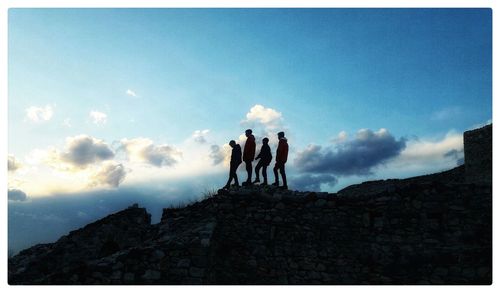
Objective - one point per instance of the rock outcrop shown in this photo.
(434, 229)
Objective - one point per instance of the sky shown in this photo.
(113, 106)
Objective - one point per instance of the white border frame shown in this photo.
(6, 4)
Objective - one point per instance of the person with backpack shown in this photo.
(234, 164)
(265, 157)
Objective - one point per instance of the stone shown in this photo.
(252, 263)
(280, 206)
(320, 203)
(151, 275)
(183, 263)
(158, 254)
(320, 267)
(116, 275)
(440, 271)
(468, 273)
(196, 272)
(205, 242)
(128, 277)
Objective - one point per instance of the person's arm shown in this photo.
(278, 152)
(269, 154)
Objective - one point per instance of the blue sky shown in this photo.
(103, 99)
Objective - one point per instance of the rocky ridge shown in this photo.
(433, 229)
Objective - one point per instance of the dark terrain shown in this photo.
(433, 229)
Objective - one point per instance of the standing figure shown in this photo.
(249, 154)
(281, 157)
(265, 157)
(235, 162)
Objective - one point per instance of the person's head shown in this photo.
(265, 140)
(232, 143)
(248, 132)
(281, 134)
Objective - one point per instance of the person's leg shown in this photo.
(283, 175)
(264, 174)
(231, 171)
(235, 176)
(249, 171)
(276, 178)
(257, 169)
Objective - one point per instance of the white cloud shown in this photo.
(79, 152)
(110, 173)
(131, 93)
(84, 162)
(143, 150)
(264, 122)
(217, 154)
(39, 114)
(67, 123)
(268, 117)
(98, 118)
(340, 138)
(199, 135)
(12, 163)
(422, 156)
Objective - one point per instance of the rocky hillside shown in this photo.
(433, 229)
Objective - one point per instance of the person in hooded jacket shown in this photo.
(235, 162)
(281, 157)
(249, 154)
(265, 157)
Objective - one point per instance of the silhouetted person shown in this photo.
(235, 162)
(281, 157)
(249, 154)
(265, 159)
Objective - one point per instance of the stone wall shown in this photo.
(414, 234)
(478, 155)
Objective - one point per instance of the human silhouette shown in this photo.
(249, 154)
(235, 162)
(265, 157)
(281, 157)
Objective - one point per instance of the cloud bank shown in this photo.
(83, 150)
(217, 155)
(110, 173)
(351, 157)
(17, 195)
(143, 150)
(312, 182)
(423, 154)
